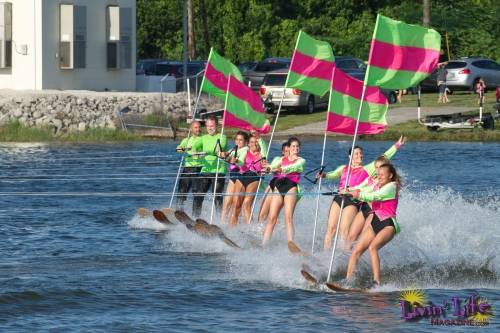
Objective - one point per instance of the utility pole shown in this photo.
(185, 43)
(427, 13)
(191, 45)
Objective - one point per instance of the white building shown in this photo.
(68, 44)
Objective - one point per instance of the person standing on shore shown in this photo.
(480, 89)
(441, 82)
(192, 162)
(214, 145)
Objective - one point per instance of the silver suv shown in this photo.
(465, 72)
(272, 89)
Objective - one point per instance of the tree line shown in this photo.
(248, 30)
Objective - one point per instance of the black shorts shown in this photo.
(283, 185)
(442, 88)
(378, 225)
(234, 175)
(272, 183)
(365, 209)
(348, 201)
(248, 178)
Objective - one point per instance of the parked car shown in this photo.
(356, 68)
(246, 66)
(464, 73)
(272, 91)
(352, 66)
(147, 66)
(176, 68)
(256, 75)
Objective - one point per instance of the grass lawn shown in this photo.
(16, 132)
(292, 118)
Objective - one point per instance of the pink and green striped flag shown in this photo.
(401, 54)
(311, 66)
(216, 75)
(244, 108)
(345, 97)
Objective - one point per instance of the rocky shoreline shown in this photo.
(68, 111)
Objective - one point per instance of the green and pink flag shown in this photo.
(217, 73)
(345, 97)
(401, 54)
(311, 66)
(244, 108)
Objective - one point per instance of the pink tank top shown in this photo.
(358, 175)
(385, 209)
(293, 176)
(252, 163)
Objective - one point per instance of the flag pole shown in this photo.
(274, 126)
(352, 151)
(189, 132)
(419, 116)
(346, 183)
(217, 153)
(322, 164)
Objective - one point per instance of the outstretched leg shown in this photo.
(290, 202)
(228, 201)
(382, 238)
(367, 235)
(238, 201)
(264, 205)
(248, 201)
(333, 217)
(274, 211)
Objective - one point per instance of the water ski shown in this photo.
(335, 287)
(215, 231)
(161, 217)
(294, 248)
(306, 273)
(183, 217)
(143, 212)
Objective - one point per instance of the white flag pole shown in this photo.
(193, 114)
(217, 153)
(274, 127)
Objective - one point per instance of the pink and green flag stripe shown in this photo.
(244, 108)
(343, 107)
(311, 66)
(401, 54)
(216, 75)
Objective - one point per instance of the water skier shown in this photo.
(192, 162)
(214, 146)
(351, 207)
(286, 189)
(235, 158)
(254, 163)
(266, 201)
(381, 223)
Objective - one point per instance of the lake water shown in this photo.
(74, 255)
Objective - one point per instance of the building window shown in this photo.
(73, 36)
(5, 34)
(119, 37)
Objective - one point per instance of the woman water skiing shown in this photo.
(365, 208)
(381, 223)
(285, 192)
(351, 207)
(235, 158)
(266, 201)
(247, 183)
